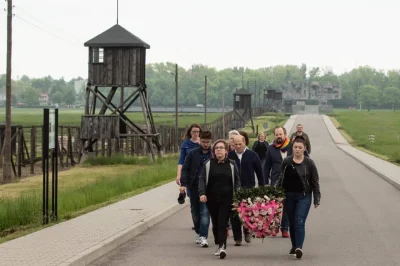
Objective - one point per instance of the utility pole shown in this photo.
(255, 93)
(176, 107)
(223, 114)
(242, 80)
(205, 100)
(7, 138)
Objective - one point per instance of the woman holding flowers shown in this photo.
(218, 181)
(299, 178)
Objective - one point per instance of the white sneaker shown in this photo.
(222, 253)
(203, 242)
(217, 252)
(198, 240)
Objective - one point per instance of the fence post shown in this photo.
(20, 150)
(132, 145)
(61, 154)
(116, 145)
(33, 149)
(109, 147)
(103, 147)
(1, 152)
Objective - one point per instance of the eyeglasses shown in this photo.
(220, 148)
(205, 141)
(195, 132)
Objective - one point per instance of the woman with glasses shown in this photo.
(191, 140)
(218, 182)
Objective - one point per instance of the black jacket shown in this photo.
(204, 176)
(273, 163)
(265, 143)
(190, 166)
(249, 164)
(311, 180)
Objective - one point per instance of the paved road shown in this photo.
(356, 224)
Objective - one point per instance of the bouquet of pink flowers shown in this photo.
(260, 210)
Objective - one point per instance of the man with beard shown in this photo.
(300, 132)
(276, 152)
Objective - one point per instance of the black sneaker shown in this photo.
(299, 253)
(292, 252)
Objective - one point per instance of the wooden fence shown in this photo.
(27, 143)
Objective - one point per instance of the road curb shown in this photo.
(289, 123)
(336, 136)
(111, 243)
(343, 142)
(382, 175)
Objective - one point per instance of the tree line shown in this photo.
(365, 86)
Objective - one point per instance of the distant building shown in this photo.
(44, 99)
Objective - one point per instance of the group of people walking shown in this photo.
(209, 172)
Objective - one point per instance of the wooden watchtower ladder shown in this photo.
(117, 62)
(241, 108)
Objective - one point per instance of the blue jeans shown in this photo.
(200, 215)
(285, 221)
(297, 206)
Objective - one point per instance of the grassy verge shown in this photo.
(72, 117)
(81, 189)
(273, 119)
(357, 126)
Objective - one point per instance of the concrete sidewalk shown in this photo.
(388, 171)
(81, 240)
(289, 124)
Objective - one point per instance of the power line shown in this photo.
(31, 17)
(58, 36)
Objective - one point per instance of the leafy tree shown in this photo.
(30, 97)
(69, 96)
(2, 81)
(391, 96)
(57, 97)
(42, 84)
(369, 96)
(25, 79)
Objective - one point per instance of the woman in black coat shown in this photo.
(299, 177)
(218, 182)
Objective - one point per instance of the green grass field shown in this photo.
(383, 124)
(72, 117)
(273, 119)
(82, 189)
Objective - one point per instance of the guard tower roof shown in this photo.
(116, 36)
(242, 91)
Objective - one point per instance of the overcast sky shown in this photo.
(220, 33)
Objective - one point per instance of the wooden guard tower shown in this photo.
(117, 61)
(272, 99)
(241, 108)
